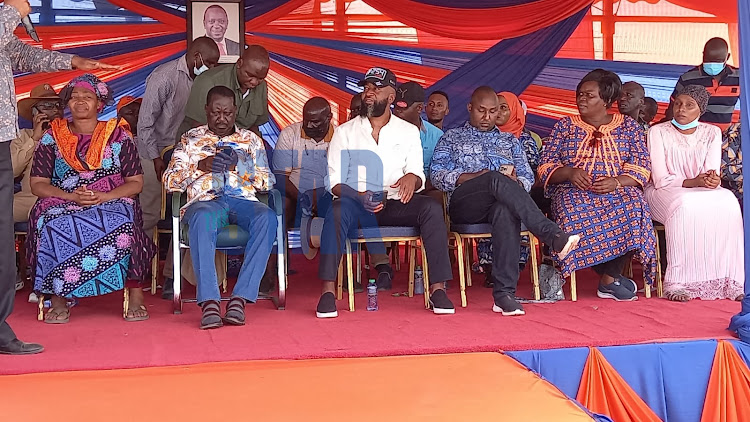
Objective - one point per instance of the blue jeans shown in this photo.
(205, 220)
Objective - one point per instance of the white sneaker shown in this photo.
(19, 284)
(33, 298)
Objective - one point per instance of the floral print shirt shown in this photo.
(731, 160)
(252, 173)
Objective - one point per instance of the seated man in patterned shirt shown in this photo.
(487, 176)
(222, 167)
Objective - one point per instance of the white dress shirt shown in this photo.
(356, 160)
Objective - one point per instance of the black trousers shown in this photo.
(612, 268)
(496, 199)
(347, 214)
(7, 249)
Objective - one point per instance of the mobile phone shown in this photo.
(378, 196)
(34, 112)
(506, 169)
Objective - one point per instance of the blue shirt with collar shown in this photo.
(466, 149)
(429, 134)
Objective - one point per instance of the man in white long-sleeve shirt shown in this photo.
(15, 55)
(374, 168)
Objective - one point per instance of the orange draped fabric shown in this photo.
(728, 395)
(67, 143)
(603, 391)
(482, 23)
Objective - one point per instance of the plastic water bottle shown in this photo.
(372, 295)
(418, 281)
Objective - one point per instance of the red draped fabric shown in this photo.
(425, 76)
(164, 17)
(130, 62)
(603, 391)
(276, 13)
(478, 24)
(725, 9)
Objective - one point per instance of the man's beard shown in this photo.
(433, 121)
(375, 109)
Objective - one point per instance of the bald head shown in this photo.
(481, 93)
(483, 108)
(716, 51)
(316, 118)
(252, 67)
(631, 98)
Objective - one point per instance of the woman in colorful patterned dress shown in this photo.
(510, 119)
(87, 238)
(594, 167)
(705, 254)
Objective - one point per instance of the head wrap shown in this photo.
(93, 84)
(517, 119)
(698, 93)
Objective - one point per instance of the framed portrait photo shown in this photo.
(222, 21)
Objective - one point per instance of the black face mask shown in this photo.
(318, 132)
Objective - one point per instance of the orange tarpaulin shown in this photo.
(728, 395)
(603, 391)
(473, 387)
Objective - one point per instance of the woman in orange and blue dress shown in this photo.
(594, 167)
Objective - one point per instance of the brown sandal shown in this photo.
(55, 315)
(678, 296)
(137, 318)
(235, 314)
(211, 315)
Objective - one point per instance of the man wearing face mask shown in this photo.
(162, 110)
(300, 160)
(721, 80)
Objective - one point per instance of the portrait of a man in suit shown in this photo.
(216, 22)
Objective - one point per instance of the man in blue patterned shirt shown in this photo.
(487, 176)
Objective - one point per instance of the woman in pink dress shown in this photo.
(703, 222)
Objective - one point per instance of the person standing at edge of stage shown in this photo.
(21, 57)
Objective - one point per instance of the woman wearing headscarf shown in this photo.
(87, 237)
(594, 167)
(510, 119)
(703, 222)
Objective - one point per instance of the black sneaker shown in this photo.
(327, 306)
(385, 277)
(616, 291)
(167, 292)
(440, 303)
(508, 306)
(628, 283)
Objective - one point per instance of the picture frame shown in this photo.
(223, 21)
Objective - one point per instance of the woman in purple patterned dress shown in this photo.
(86, 236)
(594, 167)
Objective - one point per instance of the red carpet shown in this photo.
(98, 338)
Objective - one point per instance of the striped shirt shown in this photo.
(724, 93)
(163, 107)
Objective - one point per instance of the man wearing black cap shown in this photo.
(374, 168)
(408, 106)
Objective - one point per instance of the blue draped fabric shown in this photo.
(511, 65)
(255, 8)
(672, 378)
(741, 322)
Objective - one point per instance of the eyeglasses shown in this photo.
(49, 105)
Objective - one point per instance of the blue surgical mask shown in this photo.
(199, 70)
(691, 125)
(713, 69)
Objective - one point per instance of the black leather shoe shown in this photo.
(167, 292)
(18, 347)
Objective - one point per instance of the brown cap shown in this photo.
(38, 93)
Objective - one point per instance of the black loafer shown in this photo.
(18, 347)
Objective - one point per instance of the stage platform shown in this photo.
(98, 338)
